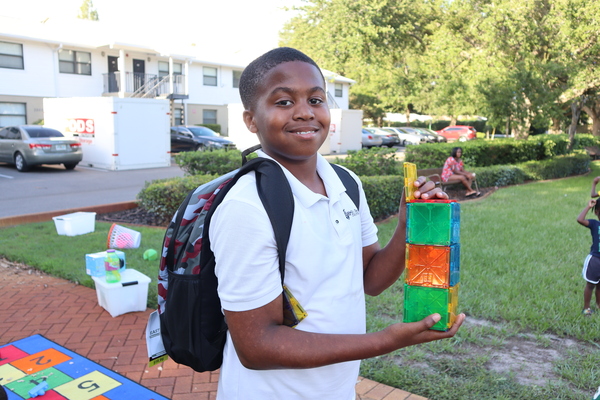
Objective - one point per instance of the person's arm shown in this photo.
(581, 217)
(594, 183)
(262, 342)
(383, 266)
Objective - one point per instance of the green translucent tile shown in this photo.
(421, 301)
(433, 222)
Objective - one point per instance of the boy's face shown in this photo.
(290, 114)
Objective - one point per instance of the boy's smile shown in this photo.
(290, 115)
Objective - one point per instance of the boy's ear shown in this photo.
(249, 121)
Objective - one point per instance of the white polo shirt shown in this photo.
(324, 271)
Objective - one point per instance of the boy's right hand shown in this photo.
(408, 334)
(591, 203)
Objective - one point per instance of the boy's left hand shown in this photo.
(428, 190)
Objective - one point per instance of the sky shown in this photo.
(245, 26)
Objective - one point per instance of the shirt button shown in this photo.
(337, 222)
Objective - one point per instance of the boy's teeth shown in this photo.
(304, 133)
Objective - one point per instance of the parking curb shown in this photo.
(47, 216)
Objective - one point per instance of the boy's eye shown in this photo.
(315, 101)
(284, 102)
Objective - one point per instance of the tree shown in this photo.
(87, 11)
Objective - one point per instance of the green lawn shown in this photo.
(521, 257)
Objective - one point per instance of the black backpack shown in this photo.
(192, 325)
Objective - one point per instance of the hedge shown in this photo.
(382, 189)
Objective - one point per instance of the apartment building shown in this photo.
(80, 58)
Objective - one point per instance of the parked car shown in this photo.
(28, 145)
(462, 133)
(437, 138)
(370, 139)
(427, 138)
(193, 138)
(406, 137)
(389, 139)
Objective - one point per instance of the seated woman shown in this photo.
(454, 169)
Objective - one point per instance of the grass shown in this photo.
(39, 245)
(521, 257)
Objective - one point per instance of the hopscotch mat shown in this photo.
(37, 362)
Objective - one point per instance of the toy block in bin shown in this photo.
(421, 301)
(410, 176)
(435, 222)
(432, 266)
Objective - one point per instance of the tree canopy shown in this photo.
(87, 11)
(523, 61)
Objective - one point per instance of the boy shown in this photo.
(332, 259)
(591, 265)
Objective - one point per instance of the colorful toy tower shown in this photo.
(432, 256)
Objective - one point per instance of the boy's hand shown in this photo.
(596, 180)
(428, 190)
(408, 334)
(591, 203)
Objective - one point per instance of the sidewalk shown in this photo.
(69, 314)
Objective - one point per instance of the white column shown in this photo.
(171, 75)
(122, 77)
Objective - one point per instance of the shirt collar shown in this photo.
(333, 185)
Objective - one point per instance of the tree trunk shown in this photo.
(576, 107)
(453, 120)
(407, 113)
(593, 110)
(555, 130)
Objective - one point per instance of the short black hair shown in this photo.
(254, 73)
(597, 207)
(455, 150)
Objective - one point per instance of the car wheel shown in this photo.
(200, 147)
(70, 166)
(20, 163)
(462, 139)
(390, 145)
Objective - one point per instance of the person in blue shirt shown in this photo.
(591, 265)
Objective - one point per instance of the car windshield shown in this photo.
(43, 132)
(202, 131)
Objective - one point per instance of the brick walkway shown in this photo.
(69, 314)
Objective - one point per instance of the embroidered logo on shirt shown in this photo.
(351, 213)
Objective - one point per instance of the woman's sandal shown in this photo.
(587, 312)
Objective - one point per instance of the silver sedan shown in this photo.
(28, 145)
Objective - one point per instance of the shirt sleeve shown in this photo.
(247, 266)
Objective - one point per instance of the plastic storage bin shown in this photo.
(433, 266)
(75, 224)
(129, 295)
(94, 263)
(421, 301)
(435, 222)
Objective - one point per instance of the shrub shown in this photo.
(383, 194)
(162, 197)
(372, 162)
(210, 162)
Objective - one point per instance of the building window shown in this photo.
(178, 116)
(339, 90)
(163, 69)
(236, 78)
(209, 116)
(75, 62)
(11, 55)
(12, 114)
(210, 76)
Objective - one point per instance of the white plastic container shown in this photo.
(129, 295)
(75, 224)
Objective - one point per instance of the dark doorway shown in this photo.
(113, 67)
(139, 73)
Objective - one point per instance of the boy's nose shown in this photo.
(303, 112)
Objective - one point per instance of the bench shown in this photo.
(435, 175)
(593, 152)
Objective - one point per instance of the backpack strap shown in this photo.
(349, 183)
(276, 195)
